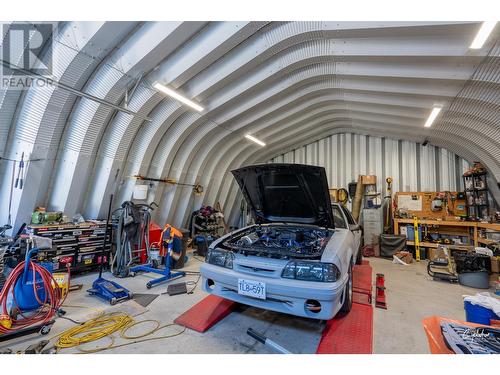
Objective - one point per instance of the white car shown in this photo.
(298, 257)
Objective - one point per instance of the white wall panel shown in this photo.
(427, 167)
(412, 166)
(447, 165)
(375, 159)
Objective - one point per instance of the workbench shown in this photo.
(472, 226)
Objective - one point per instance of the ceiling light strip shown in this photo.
(434, 113)
(483, 34)
(253, 139)
(174, 94)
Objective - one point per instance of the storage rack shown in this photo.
(82, 242)
(476, 195)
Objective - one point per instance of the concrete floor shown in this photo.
(411, 295)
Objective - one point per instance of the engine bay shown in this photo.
(280, 241)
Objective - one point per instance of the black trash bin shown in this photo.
(473, 269)
(390, 244)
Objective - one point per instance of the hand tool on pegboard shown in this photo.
(380, 299)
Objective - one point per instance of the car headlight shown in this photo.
(311, 271)
(220, 258)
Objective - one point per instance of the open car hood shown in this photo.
(286, 193)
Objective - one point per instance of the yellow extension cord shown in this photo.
(105, 325)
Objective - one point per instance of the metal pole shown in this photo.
(105, 241)
(264, 340)
(70, 89)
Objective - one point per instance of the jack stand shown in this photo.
(380, 299)
(380, 281)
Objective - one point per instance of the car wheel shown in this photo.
(346, 306)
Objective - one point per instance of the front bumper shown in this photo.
(282, 295)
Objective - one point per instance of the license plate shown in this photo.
(88, 261)
(251, 288)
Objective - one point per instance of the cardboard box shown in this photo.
(495, 264)
(431, 253)
(369, 180)
(405, 256)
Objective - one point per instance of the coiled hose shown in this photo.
(48, 306)
(105, 325)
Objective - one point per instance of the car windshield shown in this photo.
(338, 217)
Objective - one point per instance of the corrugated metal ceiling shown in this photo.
(289, 83)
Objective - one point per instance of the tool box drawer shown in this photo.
(90, 260)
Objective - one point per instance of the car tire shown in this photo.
(346, 306)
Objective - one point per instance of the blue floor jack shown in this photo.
(103, 288)
(166, 272)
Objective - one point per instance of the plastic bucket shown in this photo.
(478, 314)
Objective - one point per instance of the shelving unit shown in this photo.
(485, 229)
(476, 194)
(446, 227)
(450, 228)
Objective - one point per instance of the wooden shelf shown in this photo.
(485, 241)
(493, 226)
(449, 224)
(423, 244)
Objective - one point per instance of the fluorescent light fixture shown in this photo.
(434, 113)
(174, 94)
(253, 139)
(483, 34)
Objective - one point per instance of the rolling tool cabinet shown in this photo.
(80, 245)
